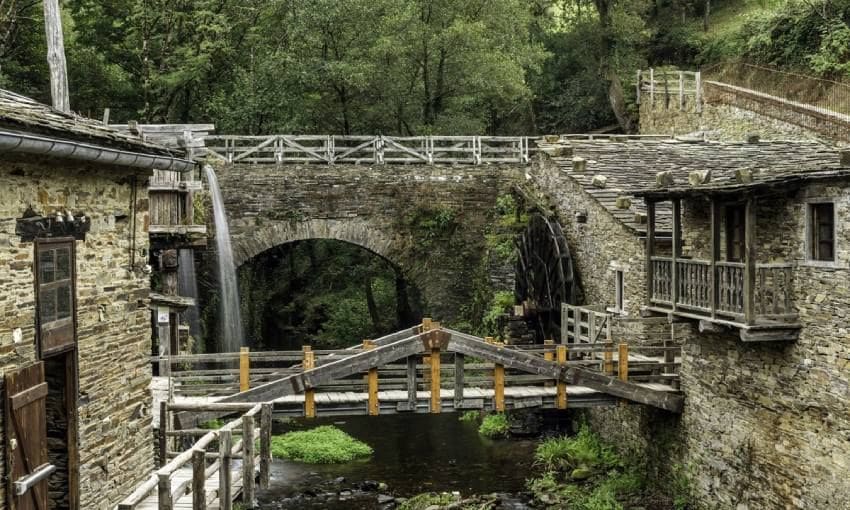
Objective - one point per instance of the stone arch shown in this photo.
(353, 230)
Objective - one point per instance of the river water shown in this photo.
(412, 454)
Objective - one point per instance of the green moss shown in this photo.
(469, 416)
(494, 426)
(426, 500)
(500, 304)
(321, 445)
(582, 451)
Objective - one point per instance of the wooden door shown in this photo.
(26, 435)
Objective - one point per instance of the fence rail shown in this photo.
(375, 150)
(681, 87)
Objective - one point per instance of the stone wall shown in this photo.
(430, 221)
(113, 318)
(729, 114)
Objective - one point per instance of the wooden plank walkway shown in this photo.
(183, 476)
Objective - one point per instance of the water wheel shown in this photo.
(544, 274)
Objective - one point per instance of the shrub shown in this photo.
(582, 451)
(213, 424)
(494, 426)
(469, 416)
(321, 445)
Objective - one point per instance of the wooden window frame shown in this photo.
(810, 233)
(67, 323)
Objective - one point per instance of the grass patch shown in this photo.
(469, 416)
(321, 445)
(213, 424)
(494, 426)
(426, 500)
(583, 451)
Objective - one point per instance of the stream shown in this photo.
(412, 454)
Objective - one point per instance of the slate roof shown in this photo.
(631, 165)
(20, 113)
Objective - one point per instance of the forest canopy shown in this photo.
(409, 67)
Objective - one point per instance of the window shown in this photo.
(619, 286)
(822, 232)
(55, 275)
(735, 233)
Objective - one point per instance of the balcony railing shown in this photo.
(694, 291)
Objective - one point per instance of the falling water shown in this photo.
(230, 319)
(187, 286)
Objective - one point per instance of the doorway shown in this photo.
(61, 413)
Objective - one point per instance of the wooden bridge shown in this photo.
(424, 369)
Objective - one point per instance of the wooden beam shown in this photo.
(56, 56)
(561, 402)
(549, 354)
(623, 362)
(225, 497)
(248, 480)
(677, 246)
(199, 479)
(750, 261)
(411, 383)
(244, 369)
(650, 245)
(372, 384)
(715, 254)
(436, 403)
(163, 433)
(499, 388)
(309, 363)
(164, 492)
(459, 367)
(265, 445)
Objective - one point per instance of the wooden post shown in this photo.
(244, 369)
(750, 261)
(372, 383)
(248, 489)
(650, 246)
(548, 354)
(652, 87)
(411, 383)
(435, 380)
(309, 395)
(199, 479)
(677, 242)
(637, 89)
(459, 362)
(164, 492)
(608, 358)
(56, 56)
(715, 255)
(561, 402)
(681, 91)
(265, 445)
(163, 433)
(698, 78)
(224, 475)
(499, 388)
(623, 361)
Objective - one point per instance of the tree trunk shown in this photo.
(403, 312)
(706, 15)
(370, 303)
(616, 96)
(56, 56)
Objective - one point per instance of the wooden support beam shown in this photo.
(225, 486)
(499, 388)
(248, 481)
(265, 445)
(309, 363)
(750, 261)
(163, 433)
(164, 492)
(436, 403)
(199, 479)
(561, 402)
(548, 354)
(714, 248)
(411, 383)
(650, 245)
(623, 362)
(459, 366)
(372, 384)
(676, 252)
(244, 369)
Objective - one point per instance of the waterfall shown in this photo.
(187, 286)
(230, 318)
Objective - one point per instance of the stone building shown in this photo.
(756, 292)
(74, 319)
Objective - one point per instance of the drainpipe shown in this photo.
(13, 142)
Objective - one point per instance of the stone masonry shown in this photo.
(427, 220)
(115, 450)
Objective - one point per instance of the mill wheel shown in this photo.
(544, 273)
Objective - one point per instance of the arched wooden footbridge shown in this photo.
(425, 369)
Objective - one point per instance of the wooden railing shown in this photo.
(691, 289)
(171, 483)
(585, 324)
(368, 150)
(679, 87)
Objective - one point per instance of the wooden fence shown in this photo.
(673, 86)
(200, 478)
(368, 150)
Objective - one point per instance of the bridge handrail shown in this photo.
(359, 149)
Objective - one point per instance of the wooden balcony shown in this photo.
(753, 297)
